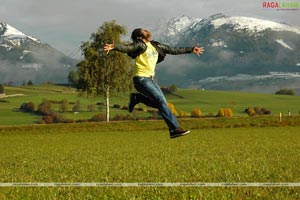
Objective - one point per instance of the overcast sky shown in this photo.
(65, 23)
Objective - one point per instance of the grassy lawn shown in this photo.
(143, 152)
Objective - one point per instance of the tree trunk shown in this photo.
(107, 104)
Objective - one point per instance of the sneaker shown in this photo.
(132, 102)
(178, 132)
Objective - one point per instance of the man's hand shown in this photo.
(198, 50)
(108, 47)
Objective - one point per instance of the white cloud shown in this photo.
(64, 23)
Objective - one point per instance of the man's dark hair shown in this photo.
(136, 33)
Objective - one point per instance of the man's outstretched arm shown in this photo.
(181, 50)
(125, 48)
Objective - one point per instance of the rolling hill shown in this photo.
(185, 100)
(24, 58)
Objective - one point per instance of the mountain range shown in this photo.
(24, 58)
(241, 53)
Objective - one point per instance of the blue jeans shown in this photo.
(151, 95)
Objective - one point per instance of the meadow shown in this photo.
(238, 149)
(185, 100)
(143, 152)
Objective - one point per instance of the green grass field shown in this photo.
(143, 152)
(9, 111)
(238, 149)
(207, 101)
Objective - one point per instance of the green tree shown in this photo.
(30, 82)
(173, 88)
(1, 89)
(101, 73)
(286, 92)
(73, 78)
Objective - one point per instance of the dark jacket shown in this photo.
(137, 48)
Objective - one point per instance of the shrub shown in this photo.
(266, 111)
(127, 117)
(44, 108)
(172, 108)
(98, 118)
(120, 117)
(228, 112)
(285, 92)
(182, 114)
(55, 118)
(225, 112)
(116, 106)
(28, 107)
(49, 119)
(251, 112)
(58, 118)
(221, 113)
(69, 121)
(81, 120)
(135, 115)
(42, 122)
(257, 111)
(196, 113)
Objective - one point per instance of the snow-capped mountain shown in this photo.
(252, 24)
(235, 46)
(13, 37)
(171, 31)
(23, 58)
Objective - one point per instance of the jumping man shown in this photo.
(147, 53)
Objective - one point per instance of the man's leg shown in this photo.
(152, 95)
(136, 98)
(173, 132)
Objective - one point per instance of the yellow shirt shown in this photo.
(146, 62)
